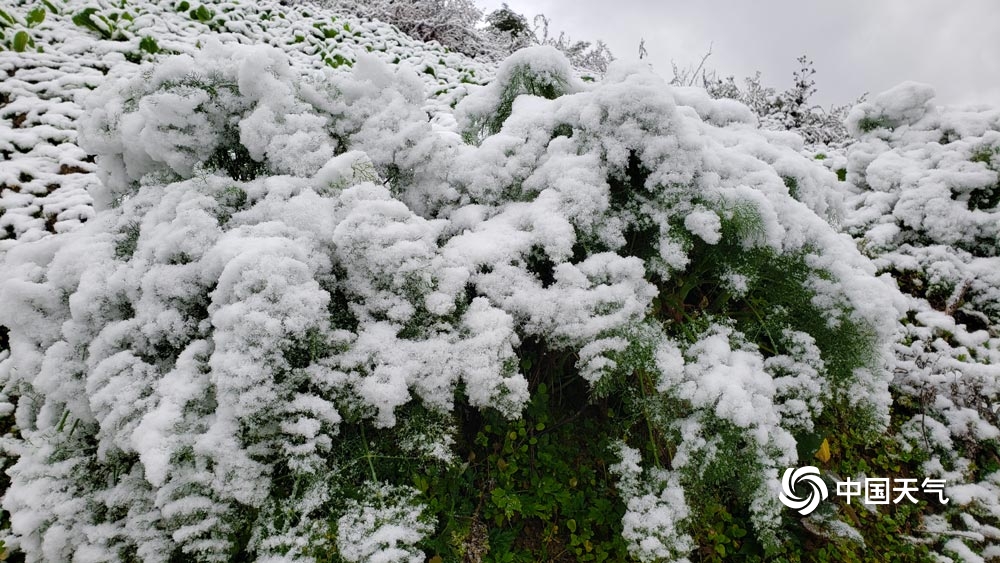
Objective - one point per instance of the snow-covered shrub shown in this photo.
(291, 270)
(534, 71)
(925, 207)
(187, 362)
(689, 284)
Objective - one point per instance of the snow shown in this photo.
(216, 265)
(924, 182)
(904, 104)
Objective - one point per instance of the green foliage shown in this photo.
(722, 534)
(15, 34)
(202, 14)
(109, 24)
(531, 489)
(234, 158)
(149, 45)
(323, 48)
(21, 39)
(507, 21)
(988, 197)
(337, 60)
(127, 242)
(867, 123)
(36, 16)
(328, 33)
(231, 200)
(986, 156)
(793, 186)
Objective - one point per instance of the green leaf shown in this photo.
(149, 45)
(50, 6)
(21, 41)
(4, 16)
(36, 16)
(571, 524)
(84, 19)
(183, 6)
(202, 14)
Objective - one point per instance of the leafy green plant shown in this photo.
(110, 24)
(202, 14)
(867, 124)
(149, 45)
(530, 489)
(988, 197)
(15, 34)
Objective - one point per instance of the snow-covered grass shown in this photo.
(245, 246)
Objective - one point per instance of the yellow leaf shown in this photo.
(824, 451)
(435, 559)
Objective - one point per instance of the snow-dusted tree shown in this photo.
(788, 110)
(793, 110)
(592, 56)
(456, 24)
(509, 30)
(452, 23)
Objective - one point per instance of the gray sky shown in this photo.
(857, 45)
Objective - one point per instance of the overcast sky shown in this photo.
(857, 45)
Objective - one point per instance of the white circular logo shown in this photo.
(807, 475)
